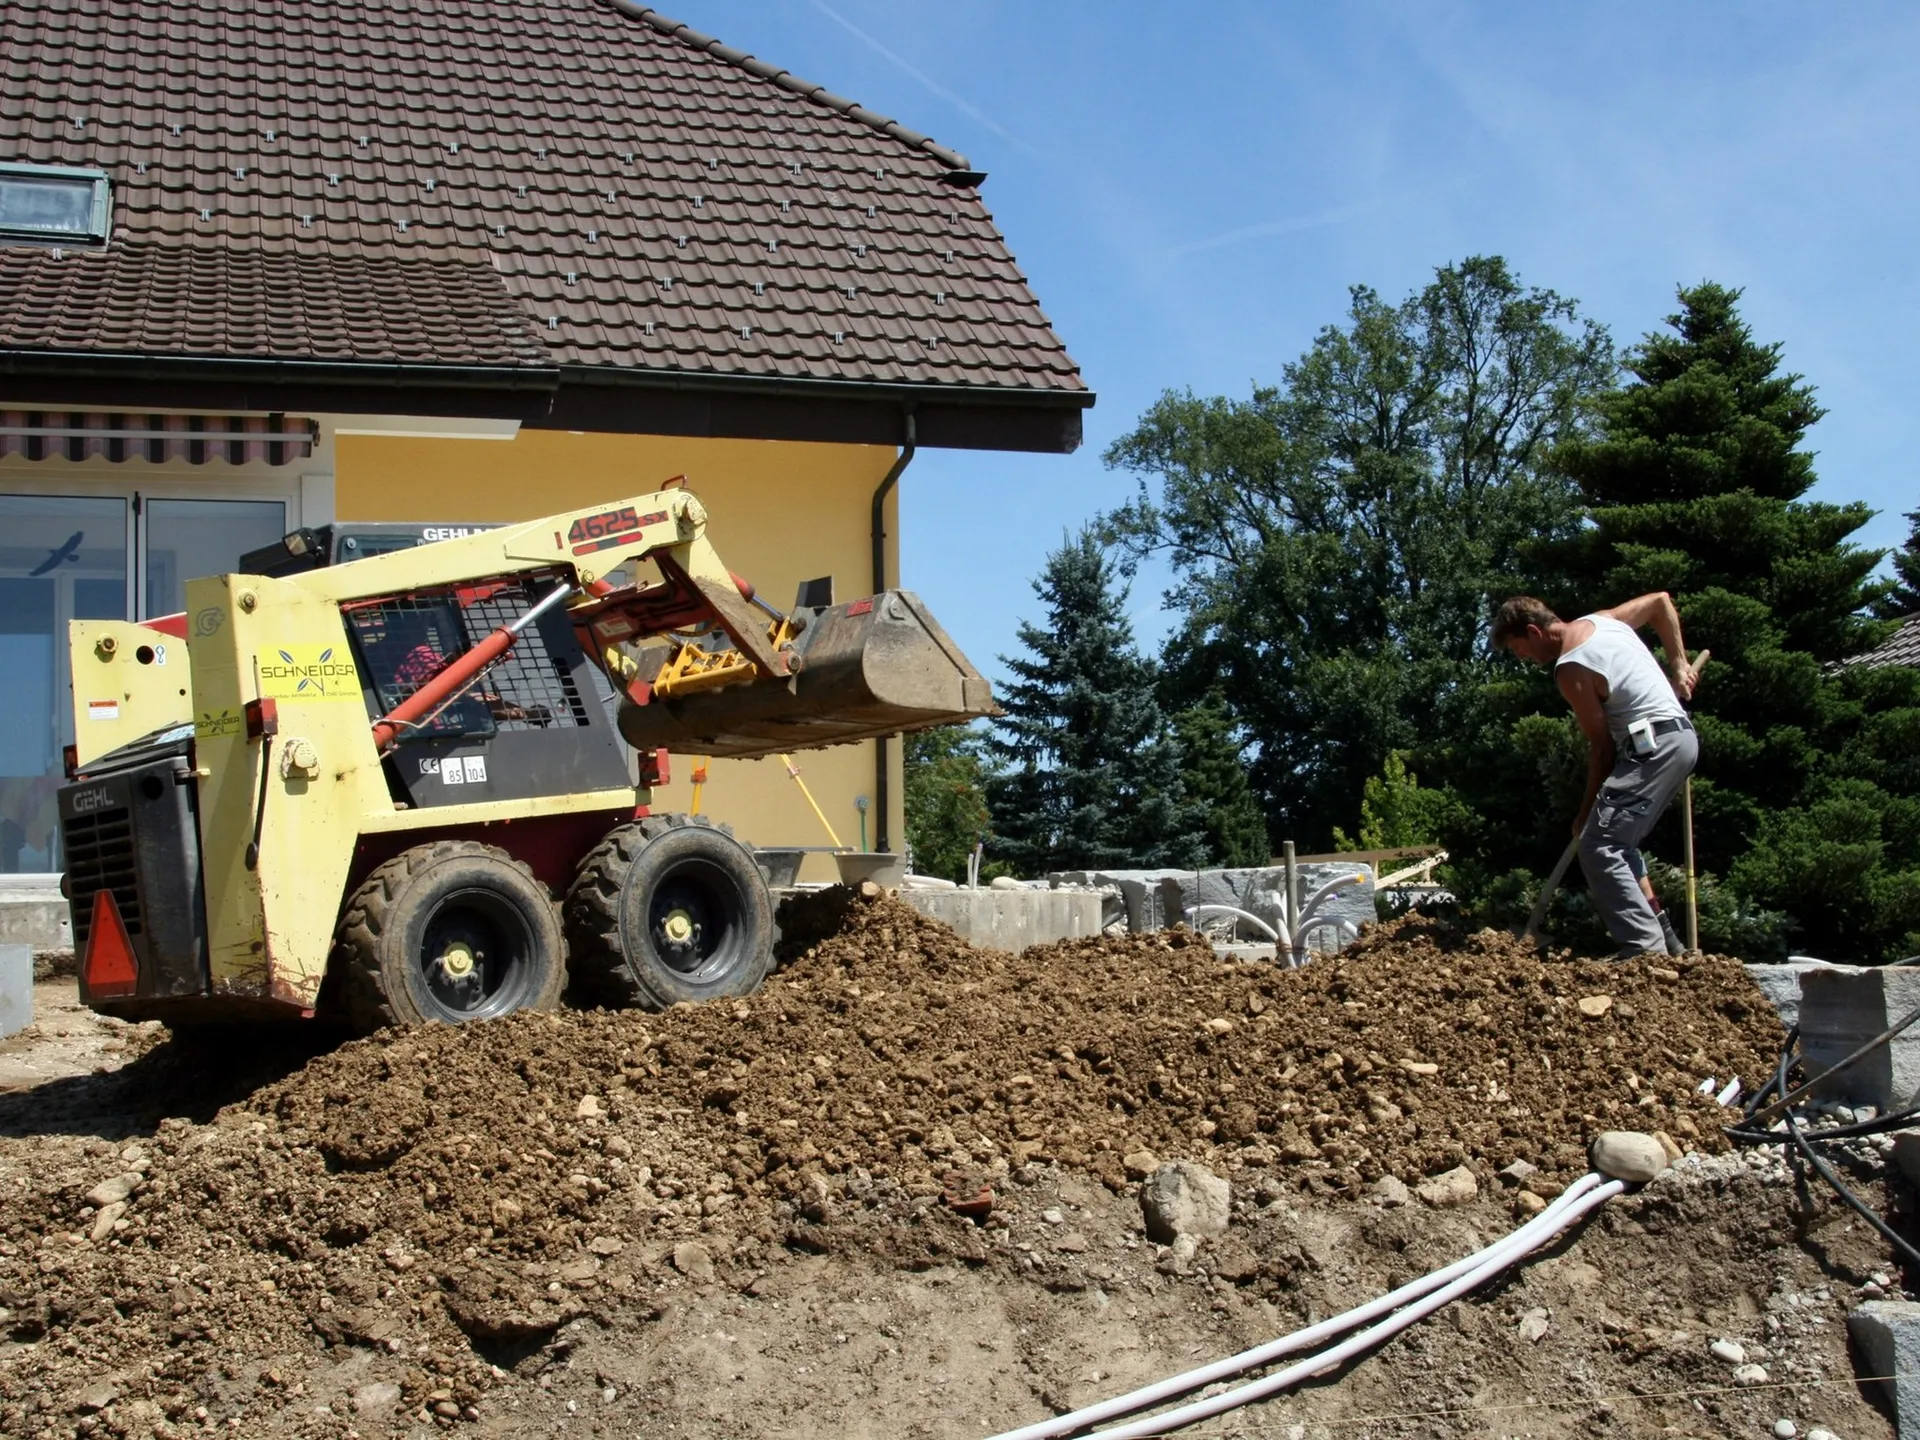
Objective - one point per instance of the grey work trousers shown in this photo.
(1631, 800)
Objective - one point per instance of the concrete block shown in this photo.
(1887, 1335)
(33, 912)
(1842, 1007)
(1011, 919)
(16, 988)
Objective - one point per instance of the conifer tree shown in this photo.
(1696, 484)
(1215, 775)
(1901, 595)
(1088, 769)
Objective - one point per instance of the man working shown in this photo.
(1640, 745)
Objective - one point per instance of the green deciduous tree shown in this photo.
(945, 798)
(1396, 810)
(1334, 538)
(1087, 765)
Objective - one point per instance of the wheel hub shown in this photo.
(679, 928)
(458, 960)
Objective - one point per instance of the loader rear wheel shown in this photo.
(451, 931)
(669, 908)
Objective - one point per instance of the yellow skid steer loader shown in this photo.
(357, 789)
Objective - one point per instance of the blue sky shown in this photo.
(1192, 188)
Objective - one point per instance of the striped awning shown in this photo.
(194, 439)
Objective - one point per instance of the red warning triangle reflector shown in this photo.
(111, 968)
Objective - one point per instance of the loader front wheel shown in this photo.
(666, 909)
(450, 931)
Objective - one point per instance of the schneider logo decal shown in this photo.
(309, 672)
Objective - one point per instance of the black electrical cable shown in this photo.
(1777, 1084)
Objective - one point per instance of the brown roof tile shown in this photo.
(406, 180)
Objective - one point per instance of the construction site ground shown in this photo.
(739, 1220)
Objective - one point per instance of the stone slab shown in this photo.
(1887, 1335)
(1011, 919)
(16, 988)
(1842, 1007)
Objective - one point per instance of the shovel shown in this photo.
(1559, 873)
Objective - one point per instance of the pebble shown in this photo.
(380, 1395)
(1594, 1006)
(1518, 1171)
(113, 1191)
(1818, 1434)
(1419, 1067)
(1140, 1164)
(1053, 1216)
(588, 1108)
(1627, 1155)
(1785, 1429)
(1749, 1375)
(1220, 1025)
(1451, 1187)
(1528, 1203)
(1730, 1351)
(1534, 1325)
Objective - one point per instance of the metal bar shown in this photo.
(461, 672)
(1693, 894)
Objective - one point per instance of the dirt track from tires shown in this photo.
(734, 1219)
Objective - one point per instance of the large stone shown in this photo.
(1887, 1335)
(1138, 893)
(1627, 1155)
(1185, 1198)
(113, 1190)
(1781, 985)
(1262, 893)
(1841, 1008)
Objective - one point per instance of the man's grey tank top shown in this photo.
(1637, 689)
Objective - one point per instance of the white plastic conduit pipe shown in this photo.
(1419, 1297)
(1277, 936)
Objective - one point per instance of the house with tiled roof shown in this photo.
(265, 266)
(1900, 648)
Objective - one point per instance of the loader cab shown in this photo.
(309, 548)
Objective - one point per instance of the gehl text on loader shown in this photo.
(415, 786)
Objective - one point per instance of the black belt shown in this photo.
(1664, 727)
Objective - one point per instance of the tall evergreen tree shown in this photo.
(1088, 767)
(1901, 595)
(1214, 772)
(1696, 484)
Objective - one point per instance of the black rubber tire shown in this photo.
(627, 892)
(424, 905)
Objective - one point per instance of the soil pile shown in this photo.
(455, 1196)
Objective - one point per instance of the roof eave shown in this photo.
(566, 397)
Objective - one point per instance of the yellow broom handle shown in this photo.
(699, 782)
(794, 771)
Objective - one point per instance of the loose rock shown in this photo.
(1749, 1375)
(1594, 1006)
(1628, 1155)
(694, 1261)
(1390, 1190)
(1453, 1187)
(112, 1192)
(1730, 1351)
(1185, 1198)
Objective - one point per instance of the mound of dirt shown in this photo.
(454, 1197)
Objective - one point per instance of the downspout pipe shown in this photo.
(882, 796)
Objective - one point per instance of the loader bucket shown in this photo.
(872, 667)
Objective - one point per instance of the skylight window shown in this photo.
(60, 204)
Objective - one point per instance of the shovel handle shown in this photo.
(1549, 890)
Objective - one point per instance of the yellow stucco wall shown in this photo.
(781, 513)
